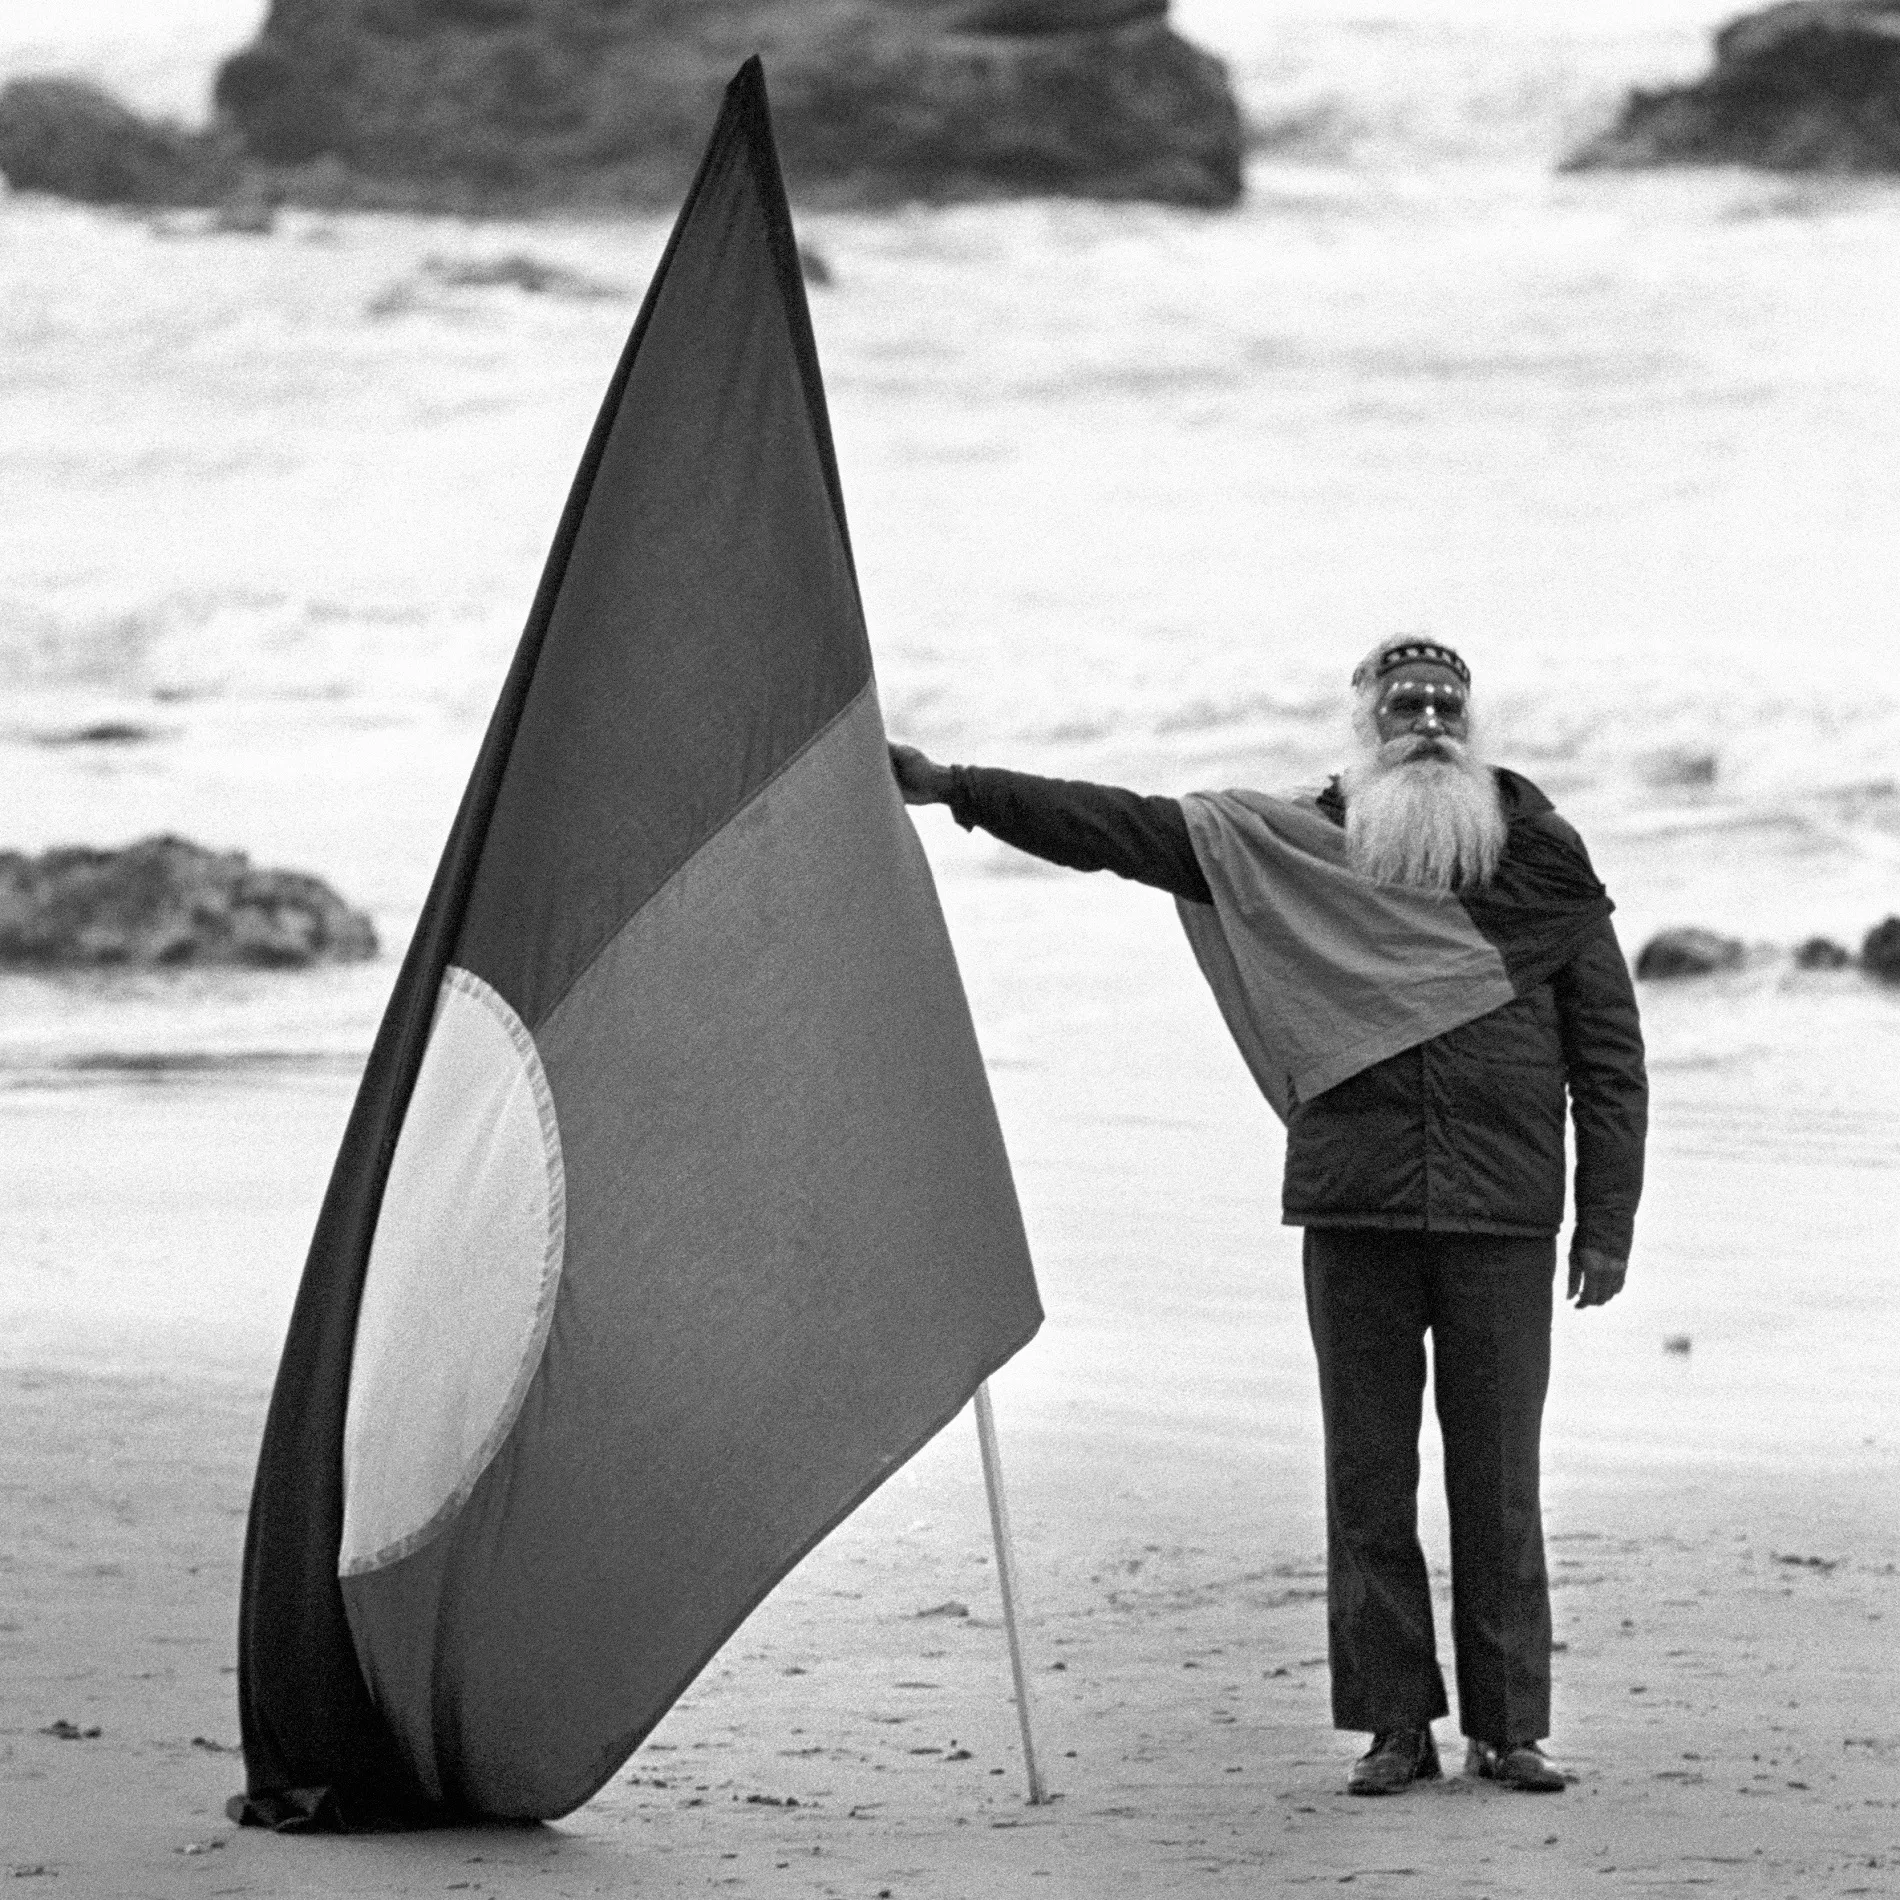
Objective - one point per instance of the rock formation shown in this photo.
(518, 105)
(1811, 86)
(1691, 951)
(165, 902)
(572, 101)
(69, 138)
(1880, 952)
(1822, 953)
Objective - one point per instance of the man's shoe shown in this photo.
(1520, 1765)
(1397, 1758)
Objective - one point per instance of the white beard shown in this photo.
(1431, 822)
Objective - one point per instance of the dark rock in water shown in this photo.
(1880, 952)
(165, 903)
(102, 732)
(1822, 953)
(69, 138)
(1680, 1345)
(521, 272)
(1812, 86)
(1677, 767)
(513, 104)
(1689, 952)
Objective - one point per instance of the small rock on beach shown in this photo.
(1690, 951)
(1822, 953)
(166, 903)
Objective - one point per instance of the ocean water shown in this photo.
(1130, 490)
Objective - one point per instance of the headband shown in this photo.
(1414, 653)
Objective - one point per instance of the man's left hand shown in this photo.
(1595, 1278)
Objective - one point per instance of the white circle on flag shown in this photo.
(463, 1271)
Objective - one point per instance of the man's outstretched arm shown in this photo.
(1067, 821)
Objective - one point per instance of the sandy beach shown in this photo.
(1721, 1523)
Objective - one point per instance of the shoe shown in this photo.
(1397, 1758)
(1520, 1765)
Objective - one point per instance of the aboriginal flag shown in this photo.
(673, 1213)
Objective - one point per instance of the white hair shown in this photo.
(1421, 812)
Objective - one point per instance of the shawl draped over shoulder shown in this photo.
(1320, 972)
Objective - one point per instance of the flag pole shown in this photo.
(1006, 1577)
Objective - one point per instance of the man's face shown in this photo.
(1427, 703)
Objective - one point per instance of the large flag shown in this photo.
(673, 1213)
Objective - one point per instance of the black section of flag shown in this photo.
(707, 624)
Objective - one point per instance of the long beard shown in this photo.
(1424, 819)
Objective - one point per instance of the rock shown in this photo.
(1679, 1345)
(165, 902)
(1880, 951)
(1812, 86)
(1688, 952)
(1821, 953)
(515, 104)
(247, 212)
(1676, 767)
(521, 272)
(100, 732)
(69, 138)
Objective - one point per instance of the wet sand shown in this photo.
(1722, 1527)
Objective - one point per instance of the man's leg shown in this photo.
(1366, 1301)
(1491, 1309)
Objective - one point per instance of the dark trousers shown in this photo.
(1371, 1297)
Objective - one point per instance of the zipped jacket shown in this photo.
(1461, 1133)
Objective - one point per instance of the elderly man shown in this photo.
(1416, 964)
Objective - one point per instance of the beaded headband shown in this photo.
(1414, 652)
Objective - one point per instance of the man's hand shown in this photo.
(1595, 1278)
(920, 781)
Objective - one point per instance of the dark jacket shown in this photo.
(1464, 1133)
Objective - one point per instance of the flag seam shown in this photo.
(686, 863)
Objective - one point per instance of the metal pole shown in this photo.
(1006, 1577)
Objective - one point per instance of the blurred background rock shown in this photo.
(1812, 86)
(513, 105)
